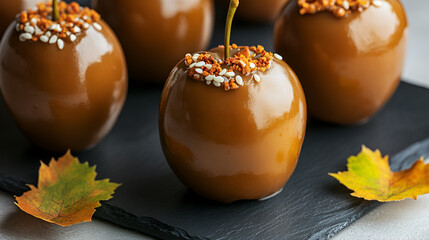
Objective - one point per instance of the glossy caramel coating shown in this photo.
(156, 34)
(238, 144)
(349, 67)
(64, 99)
(10, 8)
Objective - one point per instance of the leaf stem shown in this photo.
(233, 5)
(55, 10)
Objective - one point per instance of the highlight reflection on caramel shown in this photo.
(349, 67)
(233, 145)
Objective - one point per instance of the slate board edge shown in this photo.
(400, 161)
(115, 215)
(158, 229)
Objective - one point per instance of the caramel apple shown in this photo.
(9, 9)
(63, 80)
(232, 121)
(349, 56)
(156, 34)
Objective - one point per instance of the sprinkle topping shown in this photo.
(340, 8)
(248, 61)
(36, 24)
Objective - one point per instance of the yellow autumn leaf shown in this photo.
(67, 192)
(370, 177)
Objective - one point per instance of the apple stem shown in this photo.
(55, 10)
(233, 5)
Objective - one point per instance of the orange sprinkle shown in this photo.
(234, 86)
(226, 86)
(340, 8)
(23, 17)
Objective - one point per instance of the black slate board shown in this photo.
(312, 205)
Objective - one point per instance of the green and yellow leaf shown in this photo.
(67, 192)
(370, 177)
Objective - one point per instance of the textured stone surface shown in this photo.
(312, 205)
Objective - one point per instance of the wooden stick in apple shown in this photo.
(55, 10)
(233, 5)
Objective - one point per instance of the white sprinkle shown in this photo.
(33, 21)
(199, 70)
(39, 31)
(29, 29)
(257, 78)
(195, 57)
(72, 37)
(252, 65)
(278, 56)
(208, 66)
(210, 77)
(25, 36)
(346, 5)
(59, 29)
(230, 74)
(44, 39)
(68, 33)
(242, 64)
(27, 24)
(53, 26)
(188, 54)
(77, 29)
(86, 25)
(17, 26)
(48, 34)
(192, 65)
(239, 80)
(208, 82)
(218, 79)
(53, 39)
(200, 64)
(85, 17)
(222, 72)
(197, 75)
(216, 84)
(97, 26)
(377, 3)
(60, 44)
